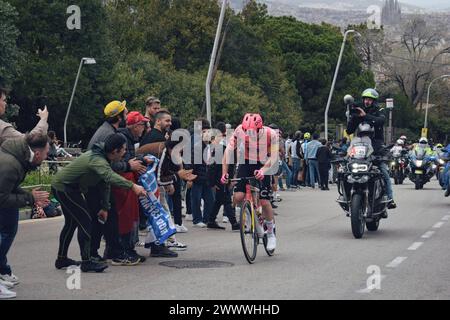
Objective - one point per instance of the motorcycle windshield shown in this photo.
(420, 154)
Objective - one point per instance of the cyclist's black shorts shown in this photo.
(248, 170)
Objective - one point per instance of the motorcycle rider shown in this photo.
(423, 145)
(398, 148)
(372, 114)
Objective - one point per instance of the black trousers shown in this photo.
(176, 201)
(188, 201)
(77, 216)
(110, 229)
(324, 169)
(223, 198)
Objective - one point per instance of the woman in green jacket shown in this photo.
(92, 169)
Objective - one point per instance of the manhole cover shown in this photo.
(196, 264)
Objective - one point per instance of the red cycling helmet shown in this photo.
(252, 121)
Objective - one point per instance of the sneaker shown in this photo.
(199, 225)
(181, 229)
(225, 220)
(176, 245)
(97, 258)
(214, 225)
(162, 252)
(6, 294)
(392, 205)
(62, 263)
(271, 242)
(10, 278)
(7, 284)
(235, 227)
(274, 206)
(125, 260)
(92, 266)
(447, 192)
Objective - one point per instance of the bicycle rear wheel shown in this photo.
(249, 237)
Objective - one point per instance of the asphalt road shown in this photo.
(316, 258)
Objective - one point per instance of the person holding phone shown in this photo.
(7, 131)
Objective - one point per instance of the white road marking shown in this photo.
(438, 225)
(396, 262)
(428, 234)
(415, 246)
(446, 218)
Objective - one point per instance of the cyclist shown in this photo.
(257, 155)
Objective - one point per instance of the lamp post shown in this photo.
(83, 61)
(335, 78)
(425, 125)
(213, 60)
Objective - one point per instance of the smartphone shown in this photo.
(41, 102)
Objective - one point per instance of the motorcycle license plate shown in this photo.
(419, 172)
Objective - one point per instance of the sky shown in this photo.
(429, 4)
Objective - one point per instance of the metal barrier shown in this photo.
(44, 169)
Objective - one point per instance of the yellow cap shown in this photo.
(307, 135)
(113, 108)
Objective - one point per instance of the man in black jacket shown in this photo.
(324, 158)
(222, 192)
(202, 186)
(372, 114)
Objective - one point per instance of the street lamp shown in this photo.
(213, 60)
(428, 97)
(335, 78)
(83, 61)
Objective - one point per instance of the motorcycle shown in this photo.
(399, 167)
(422, 167)
(362, 188)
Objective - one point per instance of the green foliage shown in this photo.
(9, 53)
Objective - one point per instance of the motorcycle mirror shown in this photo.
(348, 99)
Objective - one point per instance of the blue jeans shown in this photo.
(9, 222)
(287, 172)
(296, 167)
(313, 167)
(201, 191)
(387, 179)
(446, 176)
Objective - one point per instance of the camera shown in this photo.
(350, 103)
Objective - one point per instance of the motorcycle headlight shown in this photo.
(433, 167)
(393, 163)
(441, 162)
(419, 163)
(357, 167)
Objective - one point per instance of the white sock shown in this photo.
(270, 226)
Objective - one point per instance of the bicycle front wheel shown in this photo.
(249, 237)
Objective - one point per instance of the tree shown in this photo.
(9, 54)
(415, 59)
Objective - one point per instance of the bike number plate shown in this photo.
(419, 172)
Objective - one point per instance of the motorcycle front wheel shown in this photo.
(357, 216)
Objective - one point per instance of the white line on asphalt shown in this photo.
(415, 246)
(396, 262)
(446, 218)
(369, 289)
(428, 234)
(438, 225)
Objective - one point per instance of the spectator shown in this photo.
(116, 114)
(154, 143)
(126, 202)
(202, 186)
(53, 152)
(70, 186)
(296, 154)
(311, 160)
(152, 107)
(17, 157)
(7, 131)
(324, 159)
(222, 192)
